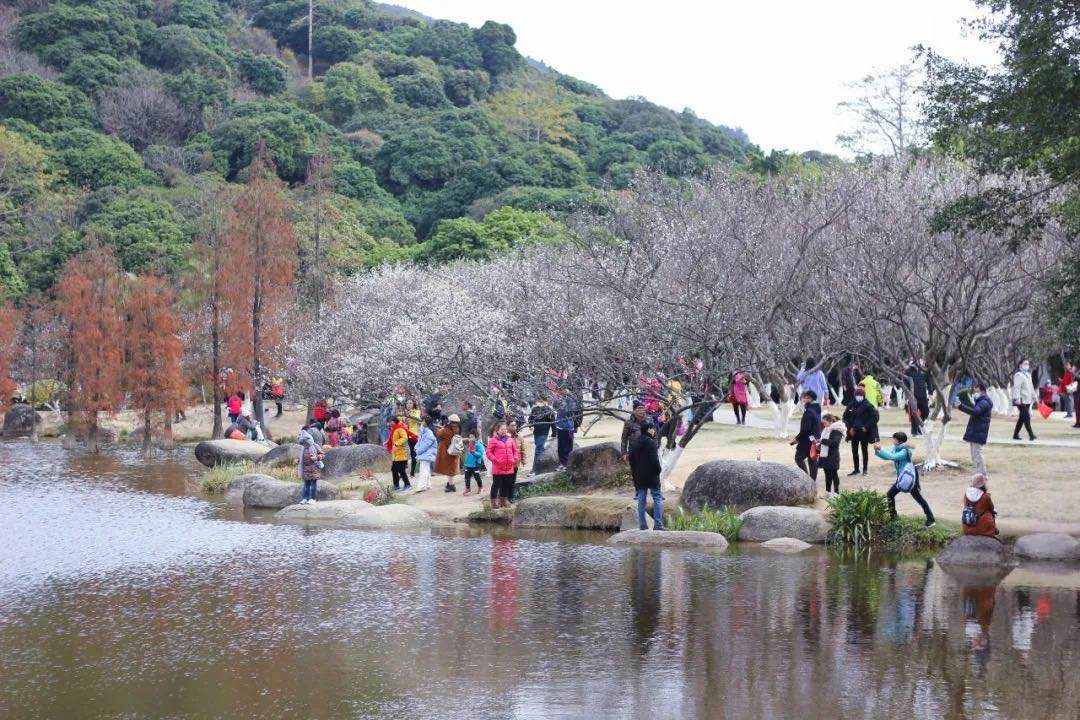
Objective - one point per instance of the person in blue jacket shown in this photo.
(981, 410)
(901, 454)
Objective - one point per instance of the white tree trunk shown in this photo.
(668, 463)
(935, 436)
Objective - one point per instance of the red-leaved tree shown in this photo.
(153, 376)
(261, 265)
(9, 328)
(89, 297)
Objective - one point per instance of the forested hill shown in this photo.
(118, 114)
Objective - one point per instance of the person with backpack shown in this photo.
(832, 435)
(502, 452)
(981, 411)
(427, 450)
(809, 429)
(978, 515)
(861, 418)
(907, 475)
(311, 464)
(451, 448)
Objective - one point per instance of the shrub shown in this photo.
(50, 105)
(262, 73)
(216, 479)
(559, 485)
(859, 518)
(725, 521)
(94, 160)
(351, 87)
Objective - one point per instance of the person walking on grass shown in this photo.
(861, 418)
(502, 451)
(448, 459)
(474, 464)
(645, 469)
(981, 410)
(907, 475)
(427, 450)
(1023, 396)
(311, 464)
(832, 435)
(979, 516)
(809, 429)
(398, 446)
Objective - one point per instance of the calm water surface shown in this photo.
(123, 594)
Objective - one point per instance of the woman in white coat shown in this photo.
(1023, 396)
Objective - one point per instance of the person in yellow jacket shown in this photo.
(873, 390)
(398, 446)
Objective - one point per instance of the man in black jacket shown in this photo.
(919, 385)
(809, 429)
(636, 424)
(542, 420)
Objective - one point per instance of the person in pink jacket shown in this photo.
(504, 454)
(740, 401)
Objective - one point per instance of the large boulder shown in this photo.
(285, 455)
(548, 462)
(350, 459)
(20, 420)
(234, 491)
(581, 513)
(973, 550)
(771, 522)
(595, 465)
(267, 492)
(745, 484)
(223, 452)
(359, 515)
(1047, 546)
(670, 538)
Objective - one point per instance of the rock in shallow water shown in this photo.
(360, 515)
(263, 491)
(580, 513)
(670, 538)
(20, 420)
(1048, 546)
(764, 523)
(786, 545)
(221, 452)
(973, 550)
(740, 483)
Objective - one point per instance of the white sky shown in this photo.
(776, 68)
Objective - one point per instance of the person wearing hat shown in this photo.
(978, 515)
(311, 464)
(446, 463)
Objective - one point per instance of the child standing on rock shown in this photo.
(311, 464)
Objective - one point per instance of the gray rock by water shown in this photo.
(359, 515)
(1048, 546)
(234, 491)
(222, 452)
(670, 538)
(786, 545)
(285, 455)
(771, 522)
(581, 513)
(20, 420)
(267, 492)
(595, 464)
(349, 459)
(549, 459)
(974, 550)
(744, 484)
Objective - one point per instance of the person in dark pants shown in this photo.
(645, 469)
(850, 378)
(503, 453)
(861, 418)
(919, 386)
(565, 422)
(900, 454)
(829, 461)
(542, 419)
(1023, 397)
(809, 430)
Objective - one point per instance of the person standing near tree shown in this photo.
(412, 419)
(1023, 396)
(541, 418)
(645, 469)
(809, 430)
(850, 379)
(235, 405)
(918, 381)
(502, 452)
(1064, 392)
(513, 428)
(981, 410)
(832, 435)
(398, 446)
(812, 378)
(740, 400)
(861, 419)
(448, 458)
(427, 452)
(277, 394)
(311, 464)
(565, 421)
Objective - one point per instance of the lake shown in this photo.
(125, 593)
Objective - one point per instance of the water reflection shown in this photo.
(122, 596)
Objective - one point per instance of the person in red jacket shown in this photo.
(320, 414)
(504, 454)
(979, 515)
(1067, 379)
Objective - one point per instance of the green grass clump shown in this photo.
(725, 521)
(216, 479)
(559, 485)
(861, 521)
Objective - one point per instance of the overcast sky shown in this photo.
(776, 68)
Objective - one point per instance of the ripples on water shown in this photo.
(124, 595)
